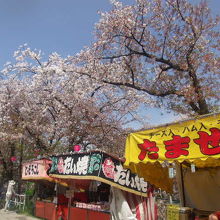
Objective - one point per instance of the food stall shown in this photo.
(37, 171)
(89, 185)
(93, 177)
(190, 148)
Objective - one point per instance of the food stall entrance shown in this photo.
(37, 171)
(193, 147)
(103, 173)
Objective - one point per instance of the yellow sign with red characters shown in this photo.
(188, 140)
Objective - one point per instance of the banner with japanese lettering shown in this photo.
(36, 169)
(188, 140)
(98, 166)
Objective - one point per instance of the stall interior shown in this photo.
(87, 195)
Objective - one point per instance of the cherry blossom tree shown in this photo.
(47, 108)
(161, 52)
(51, 108)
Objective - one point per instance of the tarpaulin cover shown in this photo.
(128, 206)
(119, 206)
(193, 141)
(202, 189)
(155, 174)
(188, 140)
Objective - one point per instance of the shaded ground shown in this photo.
(10, 215)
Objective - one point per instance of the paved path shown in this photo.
(10, 215)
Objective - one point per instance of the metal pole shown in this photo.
(182, 183)
(69, 204)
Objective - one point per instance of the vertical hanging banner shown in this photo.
(98, 166)
(188, 140)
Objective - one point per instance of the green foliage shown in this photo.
(30, 203)
(29, 208)
(30, 189)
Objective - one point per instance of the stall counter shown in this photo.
(48, 210)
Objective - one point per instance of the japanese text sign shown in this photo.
(36, 169)
(97, 166)
(187, 140)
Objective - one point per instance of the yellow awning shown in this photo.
(195, 141)
(155, 174)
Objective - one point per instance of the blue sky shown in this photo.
(62, 26)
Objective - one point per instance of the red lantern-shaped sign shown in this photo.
(77, 148)
(13, 158)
